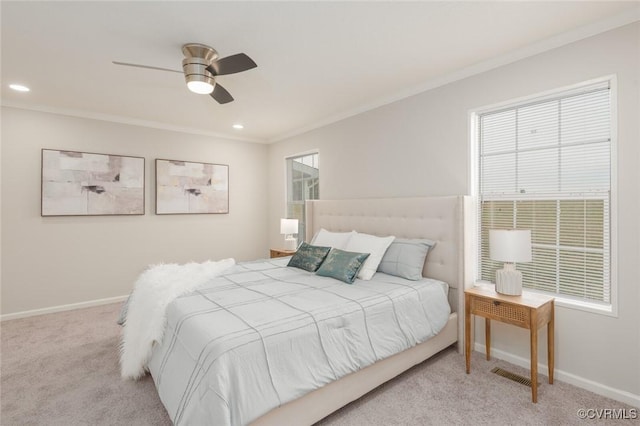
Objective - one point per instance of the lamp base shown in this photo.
(509, 280)
(290, 243)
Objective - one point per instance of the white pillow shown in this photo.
(376, 246)
(337, 240)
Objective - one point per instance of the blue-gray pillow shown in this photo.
(405, 258)
(342, 265)
(309, 257)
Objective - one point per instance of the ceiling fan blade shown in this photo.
(231, 64)
(221, 95)
(145, 66)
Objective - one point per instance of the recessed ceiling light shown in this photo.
(19, 87)
(238, 126)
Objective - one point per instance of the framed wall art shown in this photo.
(184, 187)
(87, 184)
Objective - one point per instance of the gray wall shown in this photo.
(420, 146)
(51, 261)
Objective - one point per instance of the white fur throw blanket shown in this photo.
(146, 319)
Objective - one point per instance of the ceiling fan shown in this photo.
(201, 66)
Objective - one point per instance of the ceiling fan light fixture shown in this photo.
(199, 80)
(201, 87)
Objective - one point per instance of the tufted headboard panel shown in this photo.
(442, 219)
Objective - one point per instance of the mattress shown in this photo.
(264, 334)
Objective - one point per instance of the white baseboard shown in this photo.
(61, 308)
(572, 379)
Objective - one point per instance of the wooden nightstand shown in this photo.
(530, 310)
(281, 253)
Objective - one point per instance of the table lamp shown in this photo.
(289, 227)
(509, 246)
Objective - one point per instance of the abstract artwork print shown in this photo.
(82, 183)
(184, 187)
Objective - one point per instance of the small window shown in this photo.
(303, 183)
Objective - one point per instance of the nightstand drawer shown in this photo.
(498, 310)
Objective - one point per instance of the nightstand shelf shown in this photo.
(529, 310)
(273, 253)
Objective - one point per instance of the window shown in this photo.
(302, 184)
(545, 165)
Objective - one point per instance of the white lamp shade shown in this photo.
(510, 245)
(288, 226)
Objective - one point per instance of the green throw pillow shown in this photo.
(342, 265)
(309, 257)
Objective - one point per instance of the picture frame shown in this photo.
(77, 183)
(187, 187)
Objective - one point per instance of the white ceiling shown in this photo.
(317, 61)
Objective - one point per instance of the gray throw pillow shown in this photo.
(309, 257)
(405, 258)
(342, 265)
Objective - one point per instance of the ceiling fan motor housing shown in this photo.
(197, 58)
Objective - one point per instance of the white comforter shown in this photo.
(264, 334)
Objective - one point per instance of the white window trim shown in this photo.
(473, 167)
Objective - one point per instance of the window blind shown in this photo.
(545, 165)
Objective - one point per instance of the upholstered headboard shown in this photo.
(442, 219)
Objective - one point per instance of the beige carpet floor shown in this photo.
(62, 369)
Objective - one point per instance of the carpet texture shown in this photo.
(62, 369)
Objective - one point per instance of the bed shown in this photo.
(200, 375)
